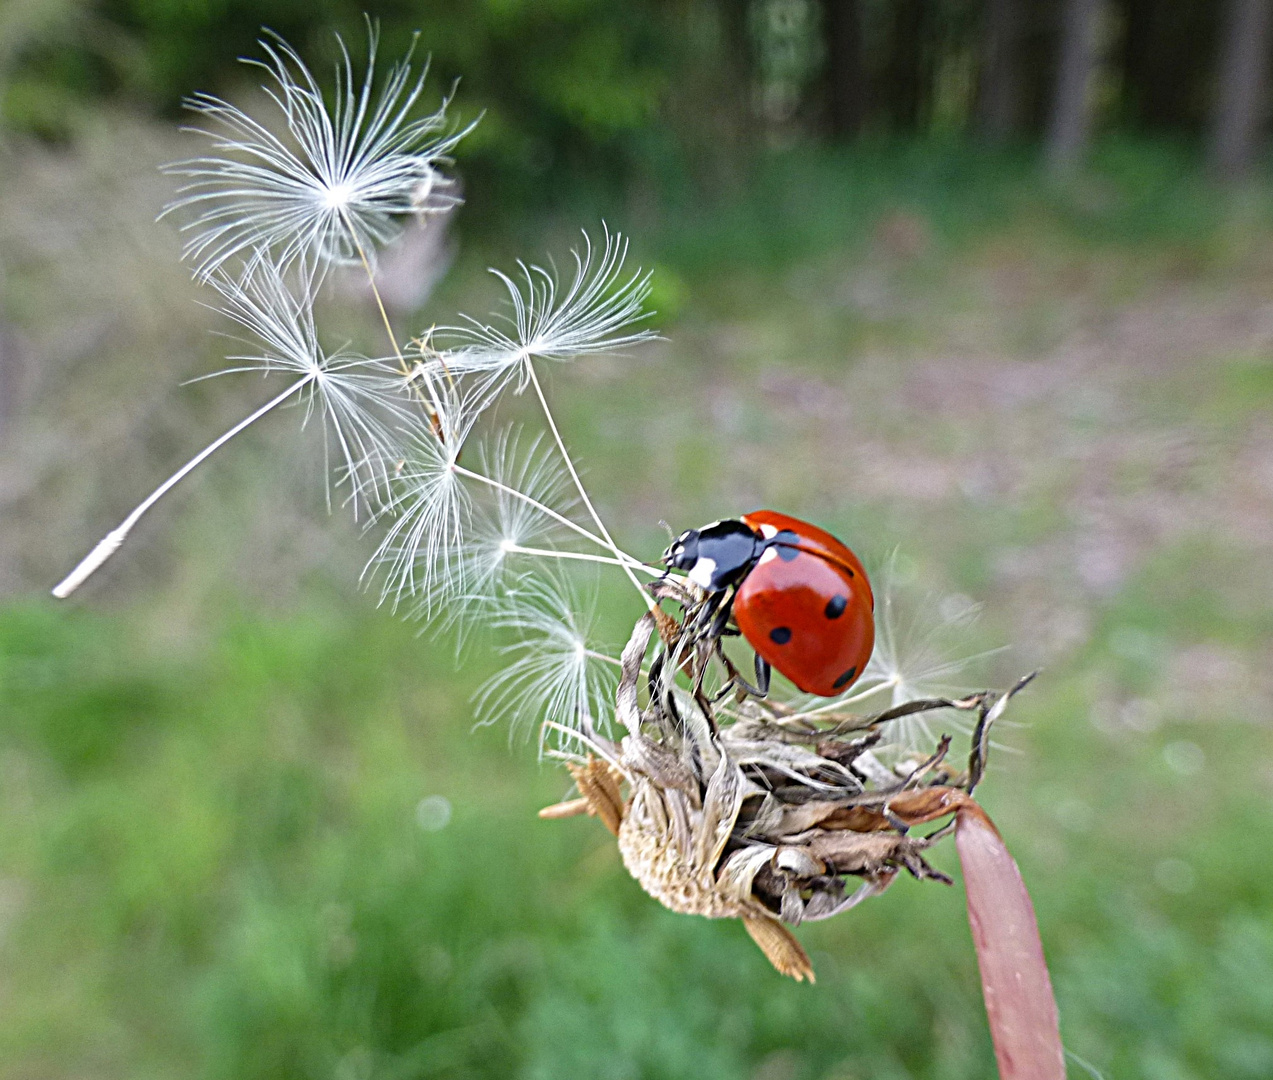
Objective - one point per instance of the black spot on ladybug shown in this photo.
(835, 607)
(843, 680)
(780, 635)
(783, 542)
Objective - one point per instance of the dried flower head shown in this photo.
(766, 818)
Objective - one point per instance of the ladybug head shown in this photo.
(682, 553)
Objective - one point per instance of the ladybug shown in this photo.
(799, 596)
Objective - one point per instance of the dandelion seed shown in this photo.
(917, 655)
(360, 400)
(357, 398)
(335, 187)
(526, 508)
(595, 313)
(517, 521)
(553, 673)
(430, 509)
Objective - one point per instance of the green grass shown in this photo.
(219, 871)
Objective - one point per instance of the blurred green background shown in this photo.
(988, 282)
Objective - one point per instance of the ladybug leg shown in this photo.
(713, 614)
(723, 614)
(763, 671)
(761, 689)
(736, 679)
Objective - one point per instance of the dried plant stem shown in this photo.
(583, 494)
(111, 542)
(1014, 974)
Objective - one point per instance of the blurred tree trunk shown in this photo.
(844, 76)
(907, 77)
(1240, 88)
(1168, 62)
(1071, 123)
(739, 58)
(999, 92)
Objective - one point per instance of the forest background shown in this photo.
(985, 283)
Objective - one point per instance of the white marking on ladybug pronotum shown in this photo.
(702, 571)
(768, 532)
(767, 555)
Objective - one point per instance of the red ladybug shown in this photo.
(800, 597)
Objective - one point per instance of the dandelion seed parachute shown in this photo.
(354, 396)
(554, 673)
(521, 504)
(598, 311)
(335, 187)
(517, 523)
(919, 653)
(359, 399)
(428, 507)
(328, 184)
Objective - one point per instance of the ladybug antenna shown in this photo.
(670, 534)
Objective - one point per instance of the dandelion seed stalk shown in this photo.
(543, 508)
(111, 543)
(435, 408)
(583, 494)
(581, 556)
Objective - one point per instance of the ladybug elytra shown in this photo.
(799, 596)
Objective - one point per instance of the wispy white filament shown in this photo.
(598, 311)
(361, 401)
(533, 496)
(429, 510)
(339, 179)
(917, 655)
(554, 673)
(111, 542)
(352, 395)
(519, 495)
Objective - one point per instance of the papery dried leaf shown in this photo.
(740, 869)
(856, 853)
(928, 804)
(1014, 975)
(721, 800)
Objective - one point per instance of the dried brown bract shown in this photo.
(742, 809)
